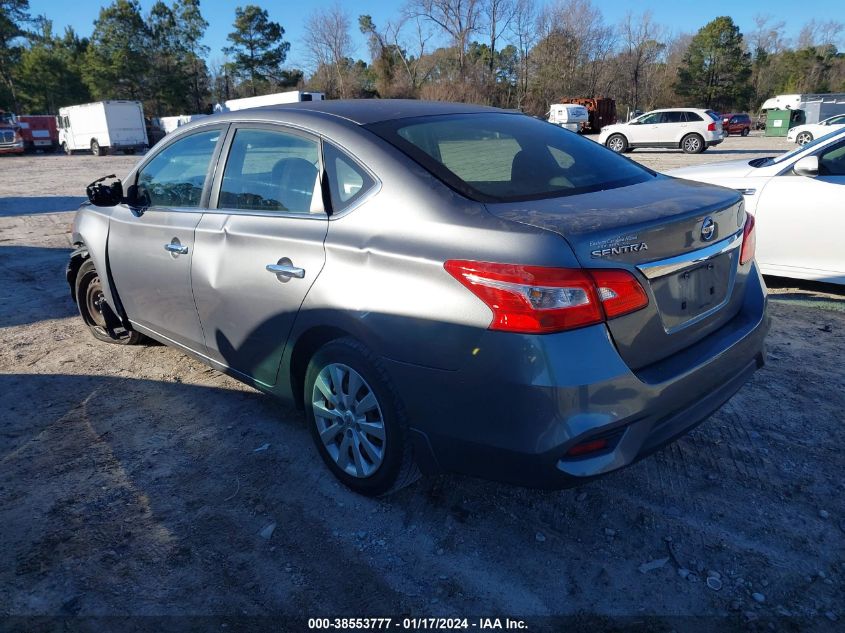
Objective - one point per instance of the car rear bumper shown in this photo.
(521, 403)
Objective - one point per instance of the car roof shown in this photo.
(678, 110)
(366, 111)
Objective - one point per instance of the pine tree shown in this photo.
(716, 69)
(257, 46)
(117, 60)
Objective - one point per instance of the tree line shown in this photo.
(523, 54)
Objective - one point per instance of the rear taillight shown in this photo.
(619, 292)
(536, 299)
(711, 127)
(749, 240)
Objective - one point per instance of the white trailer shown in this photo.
(569, 115)
(102, 127)
(292, 96)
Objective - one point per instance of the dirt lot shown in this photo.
(131, 480)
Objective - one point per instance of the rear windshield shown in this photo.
(499, 157)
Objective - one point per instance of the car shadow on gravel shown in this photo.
(29, 205)
(31, 285)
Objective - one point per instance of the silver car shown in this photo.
(441, 287)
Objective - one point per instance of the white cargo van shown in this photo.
(102, 127)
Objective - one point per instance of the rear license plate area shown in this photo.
(689, 294)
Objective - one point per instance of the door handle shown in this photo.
(286, 270)
(176, 248)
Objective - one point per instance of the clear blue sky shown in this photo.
(683, 16)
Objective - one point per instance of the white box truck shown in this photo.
(291, 96)
(103, 127)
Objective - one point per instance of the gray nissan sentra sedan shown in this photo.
(441, 287)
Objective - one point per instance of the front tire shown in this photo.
(693, 144)
(356, 419)
(94, 310)
(66, 149)
(803, 138)
(617, 143)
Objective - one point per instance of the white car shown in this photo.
(690, 129)
(803, 134)
(797, 202)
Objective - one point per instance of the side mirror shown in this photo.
(807, 166)
(101, 194)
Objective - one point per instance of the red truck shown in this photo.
(39, 131)
(11, 141)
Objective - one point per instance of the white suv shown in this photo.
(690, 129)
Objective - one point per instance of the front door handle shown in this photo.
(286, 270)
(176, 248)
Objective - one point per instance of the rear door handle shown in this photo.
(176, 248)
(286, 270)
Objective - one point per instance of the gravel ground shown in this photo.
(131, 483)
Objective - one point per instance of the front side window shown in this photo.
(270, 170)
(497, 157)
(348, 181)
(649, 119)
(832, 161)
(835, 120)
(175, 177)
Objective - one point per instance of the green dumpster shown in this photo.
(778, 122)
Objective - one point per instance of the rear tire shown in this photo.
(693, 144)
(617, 143)
(96, 149)
(94, 310)
(803, 138)
(356, 419)
(745, 131)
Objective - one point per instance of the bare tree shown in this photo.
(820, 34)
(329, 43)
(572, 53)
(498, 15)
(458, 18)
(641, 46)
(410, 36)
(767, 38)
(524, 31)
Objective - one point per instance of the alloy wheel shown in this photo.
(804, 138)
(616, 144)
(349, 420)
(692, 144)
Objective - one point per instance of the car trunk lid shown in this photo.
(682, 241)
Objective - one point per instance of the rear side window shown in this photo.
(497, 157)
(692, 117)
(269, 170)
(348, 181)
(175, 177)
